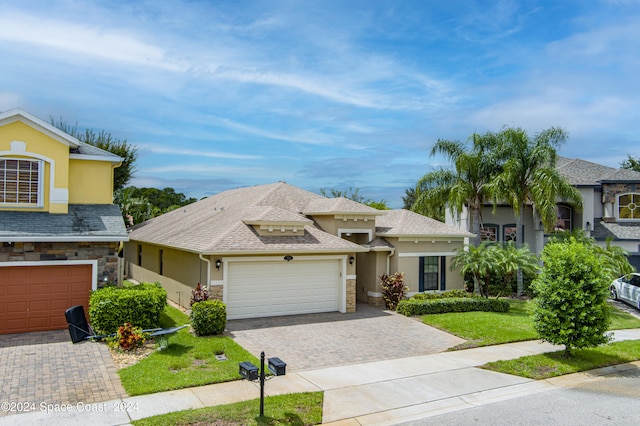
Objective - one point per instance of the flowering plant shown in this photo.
(393, 289)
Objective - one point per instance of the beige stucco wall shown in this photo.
(332, 226)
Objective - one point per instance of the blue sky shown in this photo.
(323, 94)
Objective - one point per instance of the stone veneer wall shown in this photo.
(215, 292)
(375, 301)
(351, 295)
(611, 190)
(105, 253)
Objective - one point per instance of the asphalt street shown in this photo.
(613, 400)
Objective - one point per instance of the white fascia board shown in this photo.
(115, 159)
(428, 254)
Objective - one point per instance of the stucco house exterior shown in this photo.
(611, 208)
(59, 231)
(277, 249)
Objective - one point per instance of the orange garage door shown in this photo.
(34, 298)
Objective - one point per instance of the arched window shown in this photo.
(20, 182)
(563, 218)
(628, 206)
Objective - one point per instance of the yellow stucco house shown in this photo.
(277, 249)
(59, 230)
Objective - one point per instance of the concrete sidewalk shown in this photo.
(375, 393)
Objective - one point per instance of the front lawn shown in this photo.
(187, 361)
(292, 409)
(491, 328)
(554, 364)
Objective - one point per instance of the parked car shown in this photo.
(627, 288)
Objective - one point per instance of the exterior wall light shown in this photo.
(588, 226)
(288, 257)
(351, 260)
(218, 263)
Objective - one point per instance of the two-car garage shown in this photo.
(34, 297)
(275, 286)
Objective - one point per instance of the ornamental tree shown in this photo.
(571, 296)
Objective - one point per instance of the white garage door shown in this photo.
(270, 288)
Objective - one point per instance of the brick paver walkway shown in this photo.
(314, 341)
(45, 367)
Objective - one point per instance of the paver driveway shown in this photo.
(313, 341)
(45, 367)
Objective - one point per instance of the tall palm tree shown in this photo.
(467, 184)
(529, 176)
(479, 262)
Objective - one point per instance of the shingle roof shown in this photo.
(339, 205)
(618, 231)
(215, 224)
(407, 223)
(83, 222)
(585, 173)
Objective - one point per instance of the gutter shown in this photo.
(389, 258)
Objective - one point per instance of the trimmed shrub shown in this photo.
(444, 295)
(140, 305)
(413, 307)
(209, 317)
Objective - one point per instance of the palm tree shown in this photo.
(466, 185)
(529, 176)
(511, 259)
(477, 261)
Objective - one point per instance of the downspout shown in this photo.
(393, 251)
(208, 262)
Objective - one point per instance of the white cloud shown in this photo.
(108, 44)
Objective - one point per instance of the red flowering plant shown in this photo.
(393, 289)
(128, 337)
(199, 294)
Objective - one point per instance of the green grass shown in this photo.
(293, 409)
(557, 363)
(187, 361)
(491, 328)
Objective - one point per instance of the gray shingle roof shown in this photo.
(585, 173)
(407, 223)
(83, 222)
(619, 231)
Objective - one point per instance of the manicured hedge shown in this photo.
(413, 306)
(141, 305)
(208, 317)
(442, 295)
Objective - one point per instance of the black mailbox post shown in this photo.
(250, 372)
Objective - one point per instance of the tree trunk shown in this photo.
(475, 226)
(519, 242)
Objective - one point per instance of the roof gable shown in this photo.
(405, 223)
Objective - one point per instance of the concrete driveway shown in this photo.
(45, 367)
(312, 341)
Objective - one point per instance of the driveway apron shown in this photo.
(331, 339)
(46, 368)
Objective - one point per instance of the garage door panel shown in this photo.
(35, 297)
(282, 288)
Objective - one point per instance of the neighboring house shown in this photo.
(279, 250)
(59, 231)
(611, 208)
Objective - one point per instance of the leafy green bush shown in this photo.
(571, 296)
(443, 295)
(209, 317)
(141, 305)
(413, 307)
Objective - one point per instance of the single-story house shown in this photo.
(277, 249)
(59, 229)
